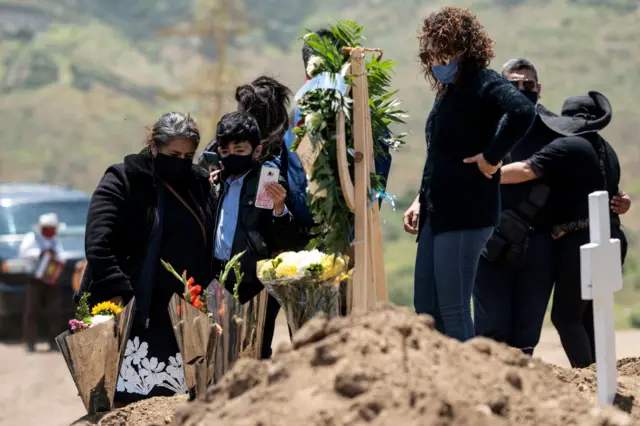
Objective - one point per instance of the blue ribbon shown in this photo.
(325, 80)
(391, 199)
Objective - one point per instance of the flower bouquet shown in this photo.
(304, 283)
(243, 323)
(93, 349)
(196, 331)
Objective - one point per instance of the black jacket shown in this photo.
(513, 195)
(482, 114)
(119, 224)
(258, 232)
(578, 163)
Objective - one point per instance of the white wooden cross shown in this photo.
(601, 276)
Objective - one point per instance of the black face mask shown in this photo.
(532, 96)
(237, 165)
(172, 169)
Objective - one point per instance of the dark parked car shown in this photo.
(21, 205)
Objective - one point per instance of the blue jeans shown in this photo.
(444, 275)
(509, 304)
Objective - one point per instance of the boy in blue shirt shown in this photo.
(240, 226)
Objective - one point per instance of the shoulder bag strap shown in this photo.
(184, 203)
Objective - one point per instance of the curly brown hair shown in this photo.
(456, 33)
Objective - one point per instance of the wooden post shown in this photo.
(363, 288)
(601, 277)
(369, 278)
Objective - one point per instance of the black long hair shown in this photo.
(268, 101)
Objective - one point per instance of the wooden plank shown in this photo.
(361, 276)
(376, 257)
(346, 184)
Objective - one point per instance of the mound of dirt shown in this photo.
(391, 367)
(628, 395)
(151, 412)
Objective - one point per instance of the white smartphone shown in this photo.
(267, 175)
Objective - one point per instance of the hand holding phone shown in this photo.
(268, 175)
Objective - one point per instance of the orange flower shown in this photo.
(195, 291)
(197, 303)
(191, 282)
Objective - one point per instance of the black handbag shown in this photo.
(509, 242)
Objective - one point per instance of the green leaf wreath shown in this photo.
(319, 109)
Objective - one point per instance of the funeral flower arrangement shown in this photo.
(319, 108)
(193, 293)
(89, 317)
(197, 321)
(304, 283)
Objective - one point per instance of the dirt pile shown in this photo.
(392, 368)
(152, 412)
(628, 395)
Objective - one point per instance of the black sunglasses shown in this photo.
(529, 85)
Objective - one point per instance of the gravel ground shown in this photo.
(37, 389)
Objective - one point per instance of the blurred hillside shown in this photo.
(79, 80)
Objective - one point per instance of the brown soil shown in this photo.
(391, 368)
(386, 368)
(152, 412)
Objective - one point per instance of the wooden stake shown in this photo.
(361, 276)
(376, 256)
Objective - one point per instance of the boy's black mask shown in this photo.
(236, 165)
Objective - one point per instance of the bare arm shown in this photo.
(518, 172)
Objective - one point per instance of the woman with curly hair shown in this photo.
(477, 118)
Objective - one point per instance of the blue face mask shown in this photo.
(445, 73)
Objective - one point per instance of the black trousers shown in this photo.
(46, 300)
(572, 316)
(273, 308)
(510, 303)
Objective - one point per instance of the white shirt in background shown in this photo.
(34, 244)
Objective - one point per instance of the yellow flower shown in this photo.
(333, 266)
(106, 308)
(266, 268)
(286, 271)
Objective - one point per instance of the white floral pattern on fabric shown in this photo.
(140, 374)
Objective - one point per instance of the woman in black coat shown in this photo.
(155, 205)
(574, 165)
(477, 118)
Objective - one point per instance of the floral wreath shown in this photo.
(319, 106)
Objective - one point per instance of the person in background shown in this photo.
(268, 101)
(515, 273)
(477, 118)
(574, 165)
(239, 224)
(41, 297)
(155, 205)
(292, 167)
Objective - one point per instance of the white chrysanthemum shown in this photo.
(314, 65)
(308, 258)
(345, 68)
(311, 119)
(99, 319)
(288, 257)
